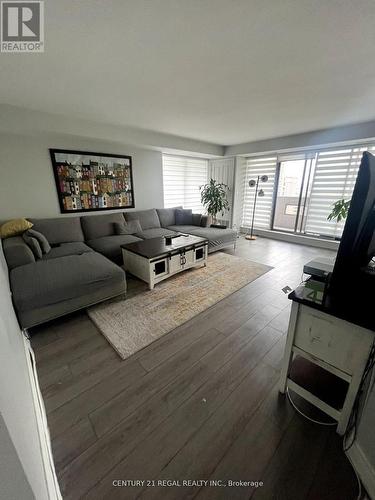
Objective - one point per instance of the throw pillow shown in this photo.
(33, 243)
(197, 219)
(132, 227)
(184, 217)
(206, 220)
(14, 227)
(43, 242)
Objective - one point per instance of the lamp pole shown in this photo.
(252, 237)
(252, 183)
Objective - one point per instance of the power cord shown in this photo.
(319, 422)
(351, 430)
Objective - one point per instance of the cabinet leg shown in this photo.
(288, 353)
(348, 403)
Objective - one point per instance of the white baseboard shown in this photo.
(51, 481)
(296, 238)
(363, 468)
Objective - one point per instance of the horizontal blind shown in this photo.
(253, 168)
(222, 171)
(334, 178)
(182, 177)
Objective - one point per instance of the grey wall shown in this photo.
(13, 481)
(16, 402)
(317, 138)
(16, 120)
(28, 189)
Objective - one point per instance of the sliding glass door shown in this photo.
(290, 176)
(291, 195)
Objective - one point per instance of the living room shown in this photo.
(187, 249)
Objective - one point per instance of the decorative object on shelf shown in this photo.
(88, 182)
(214, 198)
(340, 210)
(258, 192)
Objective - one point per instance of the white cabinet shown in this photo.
(335, 345)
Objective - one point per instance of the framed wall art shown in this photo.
(88, 182)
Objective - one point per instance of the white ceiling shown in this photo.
(221, 71)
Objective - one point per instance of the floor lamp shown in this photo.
(258, 192)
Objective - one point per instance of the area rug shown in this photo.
(132, 324)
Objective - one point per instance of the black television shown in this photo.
(352, 273)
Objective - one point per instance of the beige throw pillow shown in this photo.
(14, 227)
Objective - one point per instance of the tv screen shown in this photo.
(357, 246)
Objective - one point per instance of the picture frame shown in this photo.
(90, 182)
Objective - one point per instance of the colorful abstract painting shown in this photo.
(92, 181)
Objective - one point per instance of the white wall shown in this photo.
(28, 189)
(362, 453)
(16, 402)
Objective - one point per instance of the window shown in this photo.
(334, 178)
(182, 177)
(301, 189)
(253, 168)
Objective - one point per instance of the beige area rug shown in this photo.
(132, 324)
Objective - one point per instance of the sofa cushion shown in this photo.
(184, 216)
(59, 230)
(77, 248)
(167, 216)
(48, 282)
(206, 220)
(131, 227)
(17, 252)
(196, 219)
(97, 226)
(33, 243)
(43, 242)
(110, 245)
(147, 218)
(155, 232)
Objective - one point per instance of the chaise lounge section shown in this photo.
(69, 277)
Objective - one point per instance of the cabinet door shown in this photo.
(200, 254)
(175, 264)
(159, 268)
(188, 258)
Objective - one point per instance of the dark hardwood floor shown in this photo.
(201, 403)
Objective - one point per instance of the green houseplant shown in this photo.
(214, 198)
(340, 210)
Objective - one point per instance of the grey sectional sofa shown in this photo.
(82, 268)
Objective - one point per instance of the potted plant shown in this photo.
(340, 210)
(214, 198)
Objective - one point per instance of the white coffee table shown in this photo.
(153, 261)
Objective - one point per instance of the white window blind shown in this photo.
(253, 168)
(334, 178)
(182, 177)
